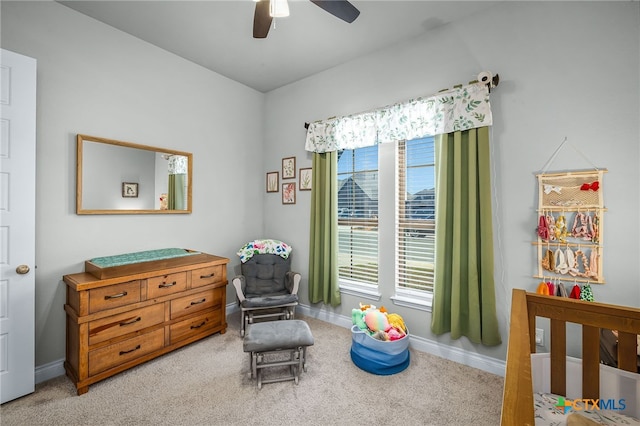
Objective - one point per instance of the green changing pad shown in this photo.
(141, 256)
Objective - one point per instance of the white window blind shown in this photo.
(358, 215)
(415, 214)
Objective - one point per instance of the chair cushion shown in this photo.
(265, 275)
(270, 301)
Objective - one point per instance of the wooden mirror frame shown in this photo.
(79, 174)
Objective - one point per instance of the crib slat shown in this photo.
(590, 362)
(627, 352)
(558, 330)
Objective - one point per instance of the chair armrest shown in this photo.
(240, 285)
(292, 281)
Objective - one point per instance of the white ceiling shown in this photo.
(218, 34)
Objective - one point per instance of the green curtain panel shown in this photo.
(176, 196)
(323, 245)
(464, 292)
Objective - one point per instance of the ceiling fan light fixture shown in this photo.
(279, 8)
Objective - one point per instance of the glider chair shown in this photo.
(266, 287)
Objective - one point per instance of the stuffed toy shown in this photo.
(376, 321)
(380, 335)
(164, 201)
(397, 322)
(394, 334)
(357, 317)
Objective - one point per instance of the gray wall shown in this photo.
(561, 75)
(552, 58)
(96, 80)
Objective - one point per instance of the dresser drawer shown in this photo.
(128, 322)
(196, 325)
(206, 276)
(166, 284)
(113, 296)
(196, 302)
(113, 355)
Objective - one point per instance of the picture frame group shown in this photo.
(305, 179)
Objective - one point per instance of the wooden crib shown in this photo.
(517, 403)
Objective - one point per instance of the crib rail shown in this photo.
(517, 408)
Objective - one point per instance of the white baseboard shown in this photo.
(49, 371)
(471, 359)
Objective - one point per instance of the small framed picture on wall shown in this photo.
(289, 168)
(273, 181)
(288, 193)
(305, 179)
(129, 190)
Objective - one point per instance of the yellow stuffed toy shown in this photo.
(396, 321)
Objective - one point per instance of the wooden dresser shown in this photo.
(120, 317)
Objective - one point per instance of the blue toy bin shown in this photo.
(378, 357)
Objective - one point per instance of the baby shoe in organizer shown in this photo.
(561, 291)
(575, 292)
(543, 289)
(552, 288)
(586, 293)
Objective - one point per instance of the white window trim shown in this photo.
(364, 291)
(413, 299)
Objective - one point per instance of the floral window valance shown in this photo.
(462, 108)
(177, 165)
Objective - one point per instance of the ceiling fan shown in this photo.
(266, 10)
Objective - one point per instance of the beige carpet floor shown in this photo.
(207, 383)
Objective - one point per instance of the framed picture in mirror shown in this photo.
(129, 190)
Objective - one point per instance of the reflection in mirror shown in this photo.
(114, 177)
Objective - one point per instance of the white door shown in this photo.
(17, 224)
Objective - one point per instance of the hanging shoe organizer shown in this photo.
(570, 226)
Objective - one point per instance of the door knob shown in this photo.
(22, 269)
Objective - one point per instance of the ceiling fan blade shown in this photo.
(261, 19)
(339, 8)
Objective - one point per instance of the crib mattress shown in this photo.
(547, 413)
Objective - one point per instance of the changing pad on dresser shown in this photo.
(121, 264)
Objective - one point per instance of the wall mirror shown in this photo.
(115, 177)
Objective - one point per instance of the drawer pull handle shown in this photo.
(166, 285)
(115, 296)
(130, 322)
(198, 302)
(198, 326)
(129, 351)
(207, 276)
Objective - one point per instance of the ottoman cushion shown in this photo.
(276, 335)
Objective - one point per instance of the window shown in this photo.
(386, 224)
(358, 215)
(415, 215)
